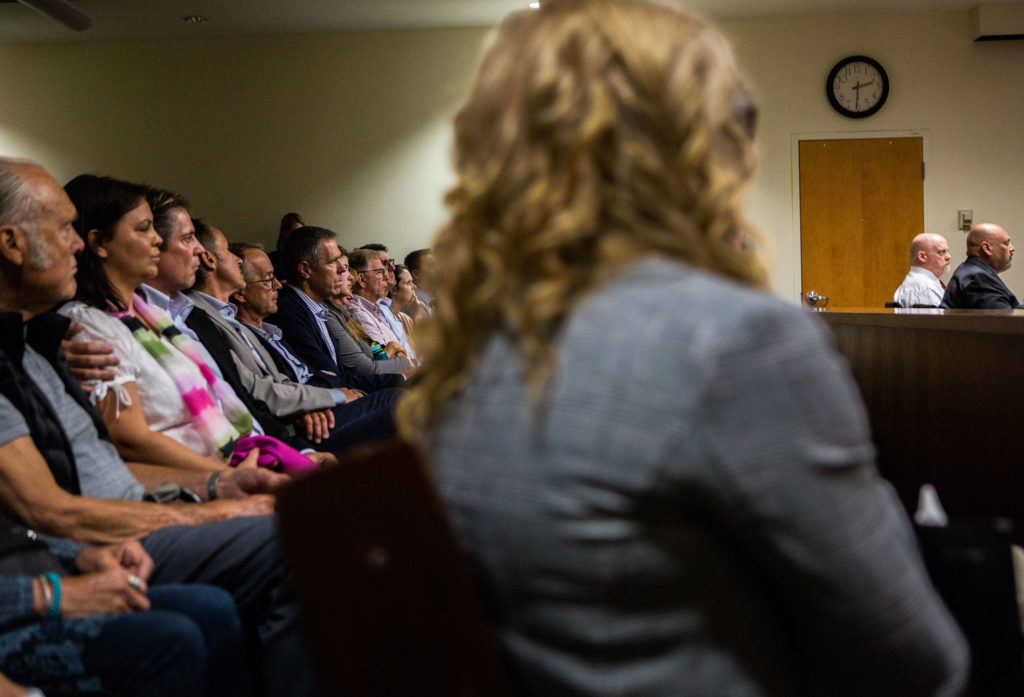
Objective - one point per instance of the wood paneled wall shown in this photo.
(945, 396)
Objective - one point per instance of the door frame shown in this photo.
(794, 147)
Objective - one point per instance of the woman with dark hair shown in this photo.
(657, 502)
(403, 297)
(407, 307)
(290, 222)
(115, 201)
(165, 407)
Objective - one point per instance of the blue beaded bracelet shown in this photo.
(54, 580)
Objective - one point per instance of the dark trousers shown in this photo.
(179, 647)
(368, 418)
(243, 557)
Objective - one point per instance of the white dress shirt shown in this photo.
(920, 287)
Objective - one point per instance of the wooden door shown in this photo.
(861, 203)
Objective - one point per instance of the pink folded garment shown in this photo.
(273, 453)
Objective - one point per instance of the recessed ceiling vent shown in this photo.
(998, 22)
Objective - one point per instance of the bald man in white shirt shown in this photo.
(929, 259)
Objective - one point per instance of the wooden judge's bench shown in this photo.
(945, 394)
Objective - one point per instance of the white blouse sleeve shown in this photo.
(100, 327)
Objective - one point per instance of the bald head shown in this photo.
(991, 244)
(930, 251)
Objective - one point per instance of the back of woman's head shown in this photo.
(101, 202)
(289, 223)
(596, 132)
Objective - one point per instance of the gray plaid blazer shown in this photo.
(693, 509)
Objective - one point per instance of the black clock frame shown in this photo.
(835, 71)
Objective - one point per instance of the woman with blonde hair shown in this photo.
(657, 502)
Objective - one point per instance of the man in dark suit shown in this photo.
(976, 284)
(311, 263)
(314, 265)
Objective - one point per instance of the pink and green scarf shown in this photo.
(218, 428)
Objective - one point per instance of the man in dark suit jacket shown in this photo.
(976, 284)
(314, 266)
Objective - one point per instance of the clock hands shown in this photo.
(856, 91)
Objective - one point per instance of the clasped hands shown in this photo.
(113, 581)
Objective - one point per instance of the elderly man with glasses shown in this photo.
(384, 303)
(370, 303)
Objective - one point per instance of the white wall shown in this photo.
(351, 129)
(965, 98)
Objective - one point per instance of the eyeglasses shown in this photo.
(389, 263)
(268, 282)
(380, 272)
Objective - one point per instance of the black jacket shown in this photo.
(301, 330)
(20, 552)
(975, 285)
(43, 333)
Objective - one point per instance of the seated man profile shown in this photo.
(975, 284)
(929, 259)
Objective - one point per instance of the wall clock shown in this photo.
(857, 86)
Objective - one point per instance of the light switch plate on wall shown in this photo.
(964, 219)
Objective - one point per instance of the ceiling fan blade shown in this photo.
(65, 13)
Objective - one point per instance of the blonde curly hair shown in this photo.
(596, 132)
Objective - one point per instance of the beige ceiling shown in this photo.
(115, 19)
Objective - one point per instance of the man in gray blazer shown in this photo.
(355, 354)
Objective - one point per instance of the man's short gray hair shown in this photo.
(239, 249)
(360, 258)
(19, 207)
